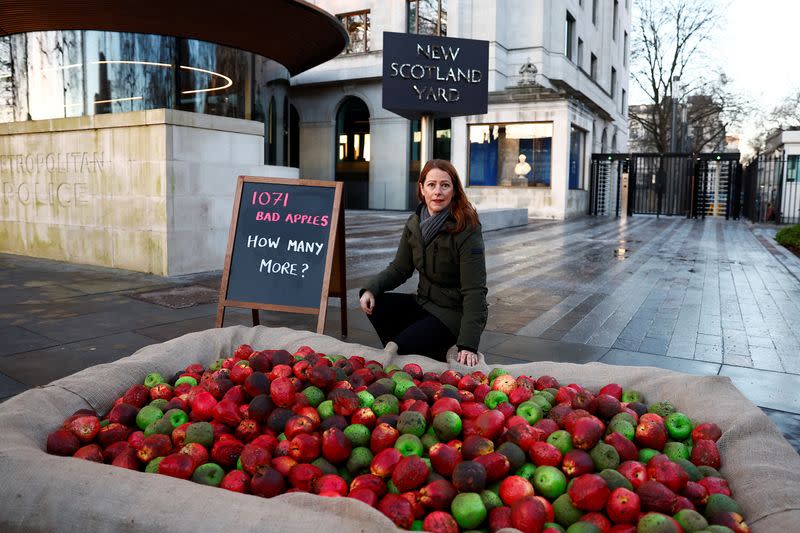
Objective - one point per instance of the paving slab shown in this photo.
(625, 357)
(15, 339)
(536, 349)
(775, 390)
(10, 387)
(40, 367)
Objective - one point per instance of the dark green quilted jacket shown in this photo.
(452, 277)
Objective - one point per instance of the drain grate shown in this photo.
(179, 297)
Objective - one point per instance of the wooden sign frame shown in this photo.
(334, 280)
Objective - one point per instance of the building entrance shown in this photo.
(353, 152)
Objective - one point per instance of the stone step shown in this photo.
(500, 218)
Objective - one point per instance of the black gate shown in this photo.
(771, 190)
(690, 185)
(607, 174)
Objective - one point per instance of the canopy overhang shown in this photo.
(294, 33)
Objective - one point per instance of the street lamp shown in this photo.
(672, 137)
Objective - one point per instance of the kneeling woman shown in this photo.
(442, 240)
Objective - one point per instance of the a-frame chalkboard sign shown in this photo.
(285, 249)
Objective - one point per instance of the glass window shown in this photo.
(569, 36)
(625, 48)
(580, 53)
(358, 29)
(593, 67)
(60, 74)
(793, 168)
(427, 17)
(614, 22)
(613, 87)
(576, 142)
(594, 12)
(495, 150)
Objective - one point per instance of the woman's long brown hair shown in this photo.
(460, 207)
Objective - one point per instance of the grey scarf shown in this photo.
(430, 225)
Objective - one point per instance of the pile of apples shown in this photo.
(436, 452)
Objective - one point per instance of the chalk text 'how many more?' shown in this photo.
(292, 245)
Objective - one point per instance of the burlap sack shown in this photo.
(41, 492)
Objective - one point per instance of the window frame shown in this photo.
(367, 30)
(441, 4)
(613, 83)
(569, 36)
(793, 168)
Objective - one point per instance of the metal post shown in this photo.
(672, 136)
(426, 142)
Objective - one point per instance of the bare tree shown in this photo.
(787, 113)
(784, 116)
(667, 60)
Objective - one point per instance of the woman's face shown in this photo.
(437, 190)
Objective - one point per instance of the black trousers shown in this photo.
(397, 317)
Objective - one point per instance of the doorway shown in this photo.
(353, 152)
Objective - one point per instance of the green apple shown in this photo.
(645, 454)
(365, 398)
(357, 434)
(549, 481)
(208, 474)
(176, 417)
(359, 461)
(541, 401)
(152, 466)
(468, 509)
(676, 450)
(201, 433)
(412, 422)
(565, 512)
(325, 409)
(401, 386)
(314, 395)
(527, 470)
(409, 444)
(630, 396)
(678, 425)
(147, 415)
(561, 439)
(153, 379)
(623, 427)
(186, 379)
(447, 425)
(495, 398)
(530, 411)
(385, 404)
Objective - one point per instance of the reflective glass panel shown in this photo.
(58, 74)
(496, 150)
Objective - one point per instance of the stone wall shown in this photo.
(150, 191)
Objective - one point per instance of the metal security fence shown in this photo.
(690, 185)
(771, 190)
(606, 175)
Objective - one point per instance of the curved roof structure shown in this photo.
(294, 33)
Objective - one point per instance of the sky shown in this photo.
(756, 45)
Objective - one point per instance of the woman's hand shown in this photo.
(367, 302)
(466, 357)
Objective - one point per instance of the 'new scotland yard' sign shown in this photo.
(439, 76)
